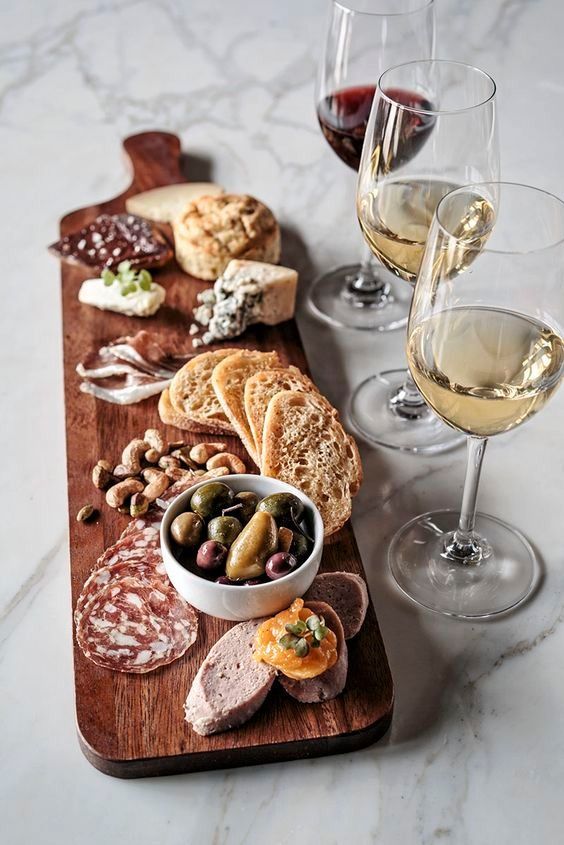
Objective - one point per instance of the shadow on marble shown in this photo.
(196, 168)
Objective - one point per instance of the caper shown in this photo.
(249, 501)
(224, 529)
(186, 529)
(208, 501)
(286, 508)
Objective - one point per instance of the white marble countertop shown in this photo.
(476, 751)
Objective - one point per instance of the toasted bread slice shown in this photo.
(259, 390)
(228, 380)
(305, 445)
(192, 394)
(169, 416)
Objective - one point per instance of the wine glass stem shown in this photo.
(407, 402)
(366, 287)
(463, 544)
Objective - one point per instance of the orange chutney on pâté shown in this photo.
(296, 642)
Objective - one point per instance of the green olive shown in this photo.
(249, 502)
(208, 501)
(187, 529)
(251, 549)
(286, 508)
(300, 547)
(224, 529)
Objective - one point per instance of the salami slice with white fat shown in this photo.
(128, 547)
(147, 566)
(132, 626)
(150, 520)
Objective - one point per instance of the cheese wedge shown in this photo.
(164, 204)
(248, 292)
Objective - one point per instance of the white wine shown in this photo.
(485, 370)
(395, 219)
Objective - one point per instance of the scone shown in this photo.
(213, 230)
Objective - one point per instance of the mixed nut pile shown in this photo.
(150, 466)
(233, 538)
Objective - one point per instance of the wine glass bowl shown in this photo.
(485, 348)
(362, 40)
(415, 152)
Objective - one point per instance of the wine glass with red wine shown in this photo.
(364, 37)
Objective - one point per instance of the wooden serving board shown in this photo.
(133, 725)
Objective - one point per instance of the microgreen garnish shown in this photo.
(128, 279)
(302, 636)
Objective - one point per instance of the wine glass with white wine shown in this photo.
(485, 348)
(414, 154)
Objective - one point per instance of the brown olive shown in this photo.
(300, 547)
(280, 564)
(249, 502)
(187, 529)
(211, 555)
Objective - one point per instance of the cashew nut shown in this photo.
(152, 456)
(138, 505)
(156, 441)
(178, 474)
(156, 487)
(202, 452)
(102, 475)
(183, 456)
(226, 459)
(122, 472)
(116, 495)
(132, 454)
(168, 461)
(214, 473)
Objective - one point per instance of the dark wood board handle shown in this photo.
(155, 159)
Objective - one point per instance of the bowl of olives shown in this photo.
(243, 547)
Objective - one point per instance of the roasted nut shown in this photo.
(102, 475)
(117, 495)
(183, 456)
(202, 452)
(156, 486)
(121, 472)
(152, 456)
(178, 474)
(214, 473)
(138, 505)
(133, 453)
(176, 444)
(226, 459)
(86, 513)
(168, 461)
(156, 441)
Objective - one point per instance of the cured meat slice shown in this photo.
(130, 626)
(332, 682)
(128, 547)
(148, 567)
(152, 519)
(230, 685)
(346, 593)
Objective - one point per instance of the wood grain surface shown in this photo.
(133, 725)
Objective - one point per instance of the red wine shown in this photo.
(343, 117)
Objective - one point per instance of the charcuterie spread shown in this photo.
(192, 517)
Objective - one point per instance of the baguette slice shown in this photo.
(305, 445)
(170, 416)
(330, 683)
(192, 394)
(259, 390)
(228, 380)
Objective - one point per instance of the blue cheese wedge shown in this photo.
(248, 292)
(140, 303)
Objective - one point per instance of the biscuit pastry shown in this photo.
(214, 229)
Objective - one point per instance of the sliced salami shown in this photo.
(147, 566)
(150, 520)
(131, 626)
(128, 547)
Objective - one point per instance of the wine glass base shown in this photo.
(417, 429)
(331, 301)
(500, 581)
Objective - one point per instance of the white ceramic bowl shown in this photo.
(238, 603)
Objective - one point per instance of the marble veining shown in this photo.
(475, 753)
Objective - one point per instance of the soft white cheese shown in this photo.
(142, 303)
